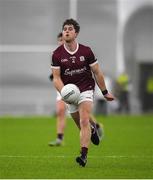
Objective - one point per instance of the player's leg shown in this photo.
(61, 122)
(96, 128)
(94, 134)
(85, 109)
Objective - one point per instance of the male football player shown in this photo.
(74, 63)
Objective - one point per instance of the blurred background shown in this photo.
(120, 32)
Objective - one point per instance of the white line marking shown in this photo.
(67, 156)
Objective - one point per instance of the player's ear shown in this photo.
(76, 34)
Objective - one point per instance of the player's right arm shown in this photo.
(56, 70)
(57, 81)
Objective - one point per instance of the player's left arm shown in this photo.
(101, 82)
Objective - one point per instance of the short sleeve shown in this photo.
(91, 58)
(54, 61)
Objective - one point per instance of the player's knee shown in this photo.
(61, 111)
(84, 122)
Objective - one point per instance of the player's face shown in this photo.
(69, 33)
(60, 41)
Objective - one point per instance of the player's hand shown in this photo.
(109, 97)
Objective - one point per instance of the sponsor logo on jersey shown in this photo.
(70, 72)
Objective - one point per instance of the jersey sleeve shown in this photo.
(91, 58)
(55, 61)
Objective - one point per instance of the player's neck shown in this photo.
(71, 46)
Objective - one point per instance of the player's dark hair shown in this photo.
(59, 35)
(72, 22)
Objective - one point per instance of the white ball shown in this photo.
(70, 93)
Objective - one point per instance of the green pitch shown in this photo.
(125, 152)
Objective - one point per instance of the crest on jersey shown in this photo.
(73, 58)
(82, 58)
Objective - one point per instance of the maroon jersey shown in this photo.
(75, 66)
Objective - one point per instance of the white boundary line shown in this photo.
(66, 156)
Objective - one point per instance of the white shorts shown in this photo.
(84, 96)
